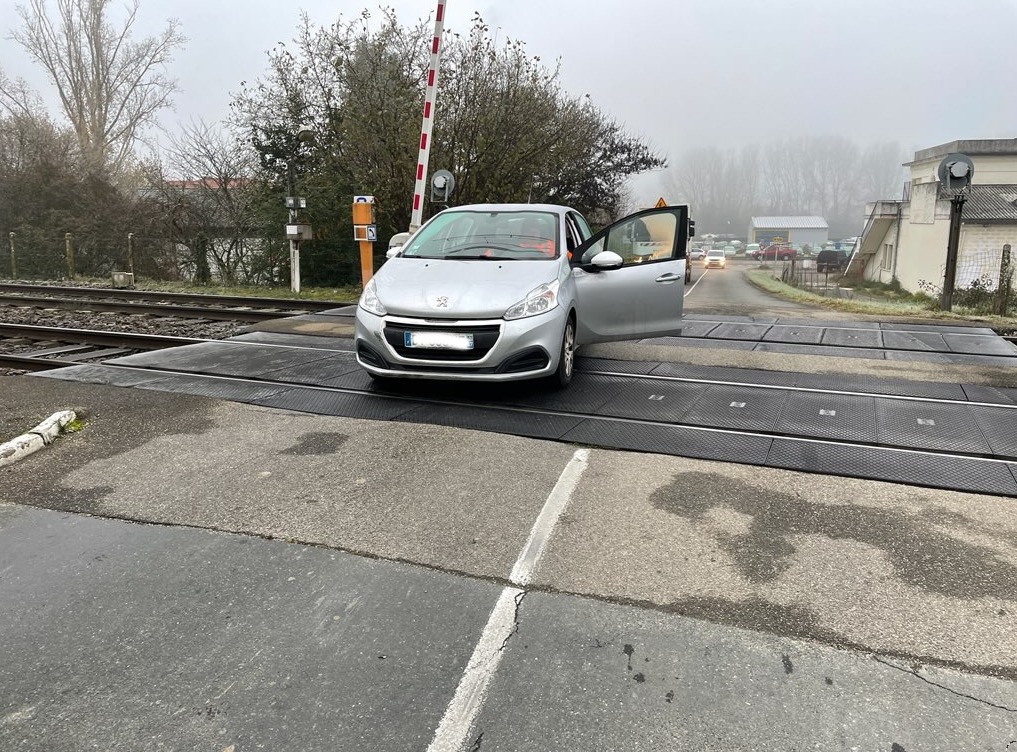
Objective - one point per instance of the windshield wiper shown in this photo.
(469, 252)
(477, 257)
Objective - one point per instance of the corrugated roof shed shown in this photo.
(989, 203)
(791, 223)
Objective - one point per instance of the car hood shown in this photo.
(438, 288)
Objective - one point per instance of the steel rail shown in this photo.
(133, 340)
(289, 304)
(125, 340)
(32, 363)
(168, 310)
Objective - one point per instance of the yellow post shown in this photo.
(365, 232)
(366, 261)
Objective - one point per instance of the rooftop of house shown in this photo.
(985, 147)
(989, 203)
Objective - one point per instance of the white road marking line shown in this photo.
(454, 729)
(548, 517)
(689, 290)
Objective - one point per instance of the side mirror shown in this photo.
(393, 252)
(605, 260)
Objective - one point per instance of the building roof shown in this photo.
(989, 203)
(790, 223)
(972, 147)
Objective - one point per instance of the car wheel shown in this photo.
(567, 356)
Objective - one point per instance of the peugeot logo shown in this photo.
(441, 302)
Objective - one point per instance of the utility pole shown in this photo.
(293, 204)
(295, 232)
(14, 260)
(956, 210)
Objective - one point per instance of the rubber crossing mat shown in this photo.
(917, 433)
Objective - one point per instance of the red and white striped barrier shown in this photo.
(428, 122)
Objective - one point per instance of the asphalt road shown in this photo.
(185, 573)
(726, 292)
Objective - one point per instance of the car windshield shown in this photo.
(715, 253)
(492, 235)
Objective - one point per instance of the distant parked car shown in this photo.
(777, 253)
(696, 254)
(831, 261)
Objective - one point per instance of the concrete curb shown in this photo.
(40, 436)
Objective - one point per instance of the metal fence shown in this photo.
(984, 282)
(804, 274)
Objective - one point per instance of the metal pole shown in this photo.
(956, 209)
(428, 120)
(69, 250)
(130, 253)
(14, 260)
(291, 180)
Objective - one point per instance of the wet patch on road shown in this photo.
(317, 444)
(919, 552)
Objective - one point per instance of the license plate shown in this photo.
(438, 340)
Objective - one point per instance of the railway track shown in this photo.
(215, 308)
(41, 348)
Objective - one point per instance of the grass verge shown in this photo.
(765, 281)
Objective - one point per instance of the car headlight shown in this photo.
(540, 300)
(369, 299)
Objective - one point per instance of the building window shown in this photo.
(886, 263)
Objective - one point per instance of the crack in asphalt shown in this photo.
(515, 619)
(913, 672)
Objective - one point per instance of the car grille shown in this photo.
(484, 338)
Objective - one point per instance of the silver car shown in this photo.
(499, 292)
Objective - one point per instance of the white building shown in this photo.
(798, 231)
(907, 239)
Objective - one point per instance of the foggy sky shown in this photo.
(677, 73)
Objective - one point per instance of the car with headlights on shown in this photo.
(715, 258)
(502, 292)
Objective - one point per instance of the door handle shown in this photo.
(669, 277)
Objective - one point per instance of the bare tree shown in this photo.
(212, 204)
(110, 87)
(881, 171)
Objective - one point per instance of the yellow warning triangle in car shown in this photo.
(661, 203)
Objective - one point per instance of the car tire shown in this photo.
(566, 356)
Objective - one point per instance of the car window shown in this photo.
(573, 235)
(473, 235)
(641, 240)
(585, 233)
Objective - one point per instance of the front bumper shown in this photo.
(506, 350)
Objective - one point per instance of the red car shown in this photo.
(776, 252)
